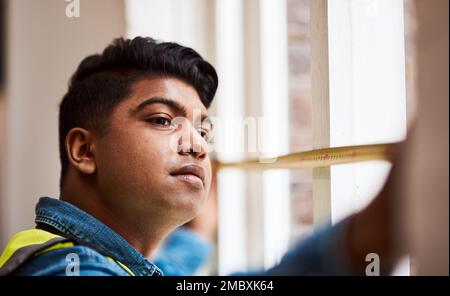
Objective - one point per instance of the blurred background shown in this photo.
(327, 72)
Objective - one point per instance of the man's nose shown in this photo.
(191, 143)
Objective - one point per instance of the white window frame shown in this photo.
(357, 60)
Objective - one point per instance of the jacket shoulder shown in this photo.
(75, 260)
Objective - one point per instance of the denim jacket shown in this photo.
(68, 220)
(324, 253)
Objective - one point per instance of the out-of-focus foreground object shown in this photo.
(425, 183)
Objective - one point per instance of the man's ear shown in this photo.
(80, 150)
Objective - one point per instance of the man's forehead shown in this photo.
(171, 89)
(174, 94)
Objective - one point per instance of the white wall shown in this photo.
(44, 48)
(188, 22)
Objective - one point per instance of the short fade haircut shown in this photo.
(102, 81)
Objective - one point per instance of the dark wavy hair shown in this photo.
(102, 81)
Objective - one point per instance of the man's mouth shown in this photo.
(192, 174)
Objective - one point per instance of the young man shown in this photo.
(131, 174)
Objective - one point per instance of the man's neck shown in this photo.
(144, 234)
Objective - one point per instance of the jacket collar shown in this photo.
(72, 221)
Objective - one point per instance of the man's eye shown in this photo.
(205, 135)
(162, 121)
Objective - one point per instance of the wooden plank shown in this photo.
(320, 108)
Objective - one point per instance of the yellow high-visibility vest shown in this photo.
(32, 243)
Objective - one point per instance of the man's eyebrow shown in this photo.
(175, 106)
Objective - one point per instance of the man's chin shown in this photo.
(189, 204)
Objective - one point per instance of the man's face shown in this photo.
(139, 170)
